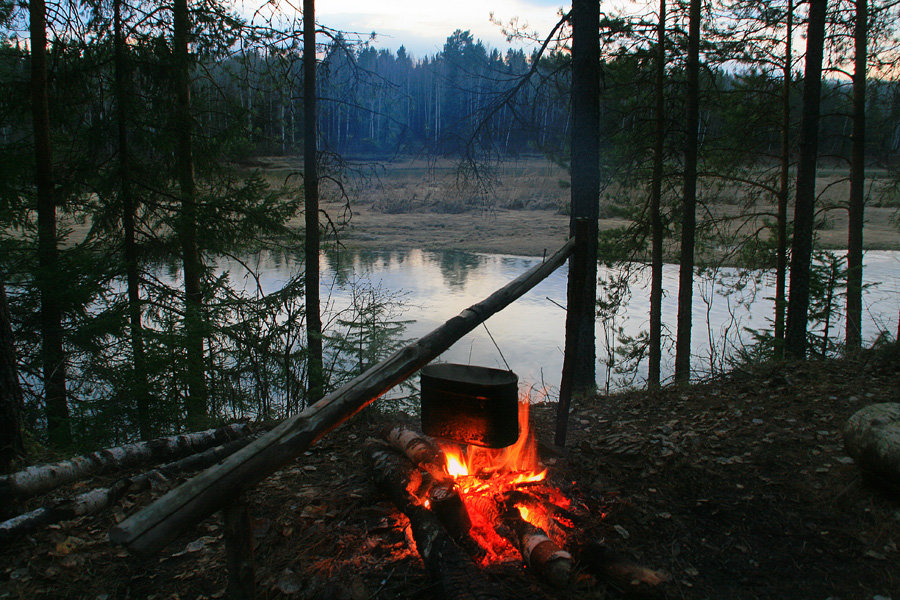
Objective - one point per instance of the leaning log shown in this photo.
(95, 500)
(872, 438)
(153, 527)
(40, 479)
(453, 572)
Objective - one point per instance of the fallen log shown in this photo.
(453, 572)
(40, 479)
(632, 579)
(98, 499)
(156, 525)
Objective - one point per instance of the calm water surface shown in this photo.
(436, 286)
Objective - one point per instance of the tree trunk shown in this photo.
(316, 383)
(656, 225)
(196, 400)
(804, 209)
(140, 386)
(54, 364)
(784, 189)
(579, 375)
(857, 183)
(689, 202)
(11, 446)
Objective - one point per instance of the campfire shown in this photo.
(495, 504)
(471, 507)
(490, 480)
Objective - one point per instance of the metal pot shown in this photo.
(470, 405)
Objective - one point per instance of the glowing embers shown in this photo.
(498, 487)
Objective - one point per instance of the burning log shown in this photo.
(40, 479)
(419, 449)
(538, 551)
(98, 499)
(443, 495)
(453, 571)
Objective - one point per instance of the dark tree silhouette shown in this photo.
(579, 375)
(689, 200)
(48, 279)
(804, 209)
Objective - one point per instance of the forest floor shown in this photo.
(738, 488)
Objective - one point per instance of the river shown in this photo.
(431, 287)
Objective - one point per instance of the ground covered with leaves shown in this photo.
(737, 488)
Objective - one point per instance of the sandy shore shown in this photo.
(525, 232)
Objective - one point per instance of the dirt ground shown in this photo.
(737, 488)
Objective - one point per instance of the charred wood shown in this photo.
(634, 580)
(538, 551)
(453, 571)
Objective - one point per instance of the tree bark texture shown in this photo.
(315, 372)
(581, 294)
(48, 279)
(804, 208)
(689, 200)
(39, 479)
(656, 224)
(857, 182)
(784, 185)
(196, 399)
(579, 375)
(140, 386)
(159, 523)
(11, 447)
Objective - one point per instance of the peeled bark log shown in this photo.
(872, 438)
(454, 573)
(98, 499)
(43, 478)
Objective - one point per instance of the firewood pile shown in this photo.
(471, 507)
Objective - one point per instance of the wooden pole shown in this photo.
(582, 295)
(239, 551)
(150, 529)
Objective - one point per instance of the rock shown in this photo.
(872, 438)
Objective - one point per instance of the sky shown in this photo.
(422, 26)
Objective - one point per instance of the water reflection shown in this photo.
(438, 285)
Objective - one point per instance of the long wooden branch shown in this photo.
(153, 527)
(40, 479)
